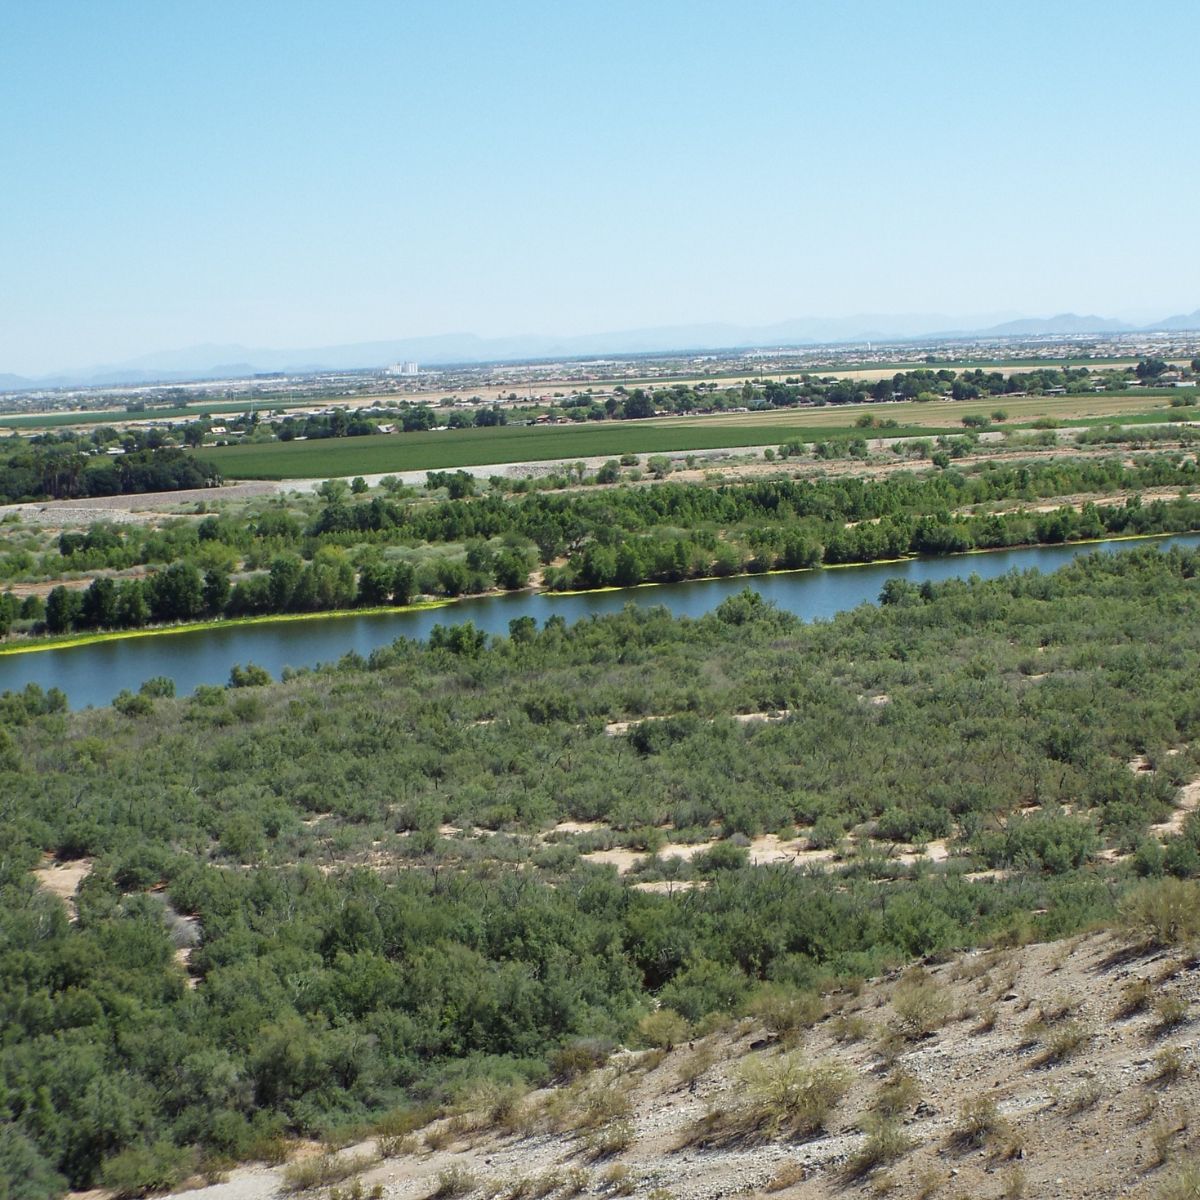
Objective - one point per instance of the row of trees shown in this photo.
(36, 471)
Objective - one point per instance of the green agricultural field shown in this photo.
(121, 416)
(451, 448)
(506, 444)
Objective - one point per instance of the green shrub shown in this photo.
(141, 1169)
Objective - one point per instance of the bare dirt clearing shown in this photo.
(62, 879)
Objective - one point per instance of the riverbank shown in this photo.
(220, 623)
(33, 645)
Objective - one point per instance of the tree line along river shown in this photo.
(93, 673)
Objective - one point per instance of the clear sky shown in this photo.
(290, 173)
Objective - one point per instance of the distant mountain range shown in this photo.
(232, 361)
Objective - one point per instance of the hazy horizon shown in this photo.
(295, 176)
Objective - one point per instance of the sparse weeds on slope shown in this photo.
(786, 1175)
(1170, 1064)
(1063, 1042)
(1085, 1097)
(786, 1011)
(1163, 1133)
(1170, 1011)
(453, 1181)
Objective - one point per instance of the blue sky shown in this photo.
(302, 173)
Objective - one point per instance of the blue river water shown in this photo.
(93, 674)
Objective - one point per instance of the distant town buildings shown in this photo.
(405, 370)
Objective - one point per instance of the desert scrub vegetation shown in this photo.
(357, 958)
(780, 1096)
(1062, 1042)
(897, 1095)
(453, 1181)
(1170, 1011)
(1135, 998)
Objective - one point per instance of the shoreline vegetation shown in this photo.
(113, 635)
(34, 645)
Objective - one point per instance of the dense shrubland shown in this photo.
(353, 953)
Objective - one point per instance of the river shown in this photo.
(93, 674)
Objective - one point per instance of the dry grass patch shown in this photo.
(1169, 1066)
(454, 1180)
(787, 1175)
(886, 1142)
(897, 1095)
(785, 1011)
(1084, 1098)
(1184, 1183)
(781, 1097)
(1062, 1043)
(323, 1170)
(1135, 998)
(1163, 913)
(1170, 1011)
(921, 1005)
(979, 1123)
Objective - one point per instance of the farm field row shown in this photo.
(448, 449)
(507, 444)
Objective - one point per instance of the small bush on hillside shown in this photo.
(1170, 1011)
(322, 1171)
(1169, 1065)
(886, 1142)
(142, 1169)
(1063, 1042)
(1135, 996)
(781, 1097)
(579, 1057)
(664, 1029)
(453, 1181)
(897, 1095)
(921, 1004)
(1163, 912)
(978, 1123)
(786, 1011)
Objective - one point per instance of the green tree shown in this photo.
(63, 607)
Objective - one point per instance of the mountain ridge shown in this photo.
(214, 360)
